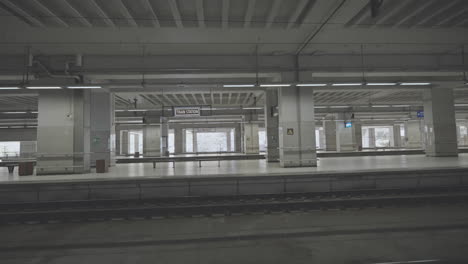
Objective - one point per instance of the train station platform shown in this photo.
(241, 177)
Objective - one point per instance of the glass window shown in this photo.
(211, 141)
(9, 149)
(233, 140)
(365, 137)
(188, 140)
(170, 138)
(262, 141)
(382, 137)
(317, 138)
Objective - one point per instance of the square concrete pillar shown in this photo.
(102, 127)
(124, 143)
(272, 125)
(440, 127)
(397, 136)
(371, 137)
(63, 133)
(251, 141)
(297, 127)
(413, 133)
(178, 140)
(152, 140)
(329, 127)
(348, 138)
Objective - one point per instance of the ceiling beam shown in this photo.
(225, 14)
(176, 13)
(200, 13)
(102, 13)
(414, 13)
(456, 15)
(50, 13)
(148, 99)
(77, 14)
(273, 13)
(154, 17)
(299, 9)
(195, 99)
(22, 13)
(249, 13)
(382, 17)
(187, 101)
(317, 30)
(126, 13)
(430, 16)
(203, 98)
(462, 22)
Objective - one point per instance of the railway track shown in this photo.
(104, 210)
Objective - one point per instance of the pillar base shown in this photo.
(442, 155)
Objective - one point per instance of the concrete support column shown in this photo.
(397, 136)
(371, 137)
(228, 141)
(178, 141)
(329, 128)
(238, 138)
(27, 149)
(297, 127)
(63, 133)
(164, 138)
(152, 140)
(251, 142)
(102, 127)
(357, 135)
(124, 142)
(413, 134)
(439, 123)
(348, 138)
(272, 125)
(194, 140)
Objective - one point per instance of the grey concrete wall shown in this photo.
(18, 134)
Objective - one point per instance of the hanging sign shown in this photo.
(187, 111)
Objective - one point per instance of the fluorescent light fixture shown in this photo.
(15, 112)
(415, 83)
(238, 85)
(43, 87)
(9, 88)
(120, 110)
(320, 106)
(34, 112)
(339, 106)
(252, 108)
(380, 106)
(275, 85)
(346, 84)
(137, 110)
(461, 104)
(401, 105)
(84, 87)
(381, 84)
(312, 84)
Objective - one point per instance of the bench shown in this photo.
(173, 160)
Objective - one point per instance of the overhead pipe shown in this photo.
(58, 76)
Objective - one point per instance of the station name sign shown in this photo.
(187, 111)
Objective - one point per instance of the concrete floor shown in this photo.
(336, 236)
(254, 168)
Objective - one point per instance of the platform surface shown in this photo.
(341, 165)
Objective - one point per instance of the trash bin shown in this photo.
(101, 166)
(25, 168)
(136, 154)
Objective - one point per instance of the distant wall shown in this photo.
(18, 134)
